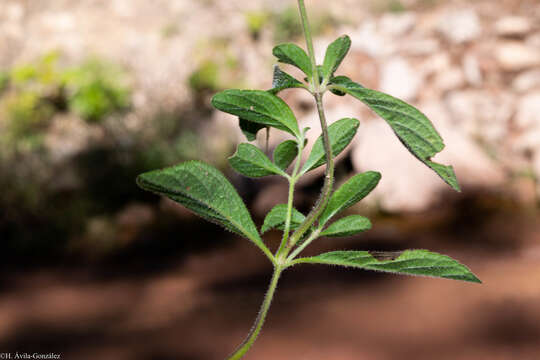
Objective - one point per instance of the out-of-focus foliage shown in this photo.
(217, 68)
(67, 184)
(205, 78)
(96, 89)
(33, 93)
(256, 21)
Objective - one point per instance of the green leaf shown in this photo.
(250, 129)
(276, 218)
(335, 54)
(409, 262)
(285, 153)
(348, 226)
(204, 190)
(412, 127)
(354, 190)
(250, 161)
(283, 81)
(294, 55)
(257, 106)
(340, 133)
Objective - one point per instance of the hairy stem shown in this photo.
(280, 263)
(292, 183)
(328, 179)
(314, 235)
(257, 326)
(329, 173)
(309, 42)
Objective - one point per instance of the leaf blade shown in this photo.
(204, 190)
(285, 153)
(340, 134)
(351, 192)
(411, 126)
(250, 128)
(250, 161)
(276, 218)
(347, 226)
(282, 81)
(409, 262)
(335, 53)
(294, 55)
(259, 107)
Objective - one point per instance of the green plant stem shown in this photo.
(329, 173)
(328, 179)
(279, 262)
(309, 42)
(257, 326)
(314, 235)
(292, 183)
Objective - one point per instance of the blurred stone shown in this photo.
(514, 56)
(270, 196)
(449, 80)
(524, 189)
(131, 220)
(68, 135)
(399, 79)
(528, 111)
(397, 24)
(58, 21)
(435, 64)
(419, 47)
(14, 11)
(527, 81)
(407, 184)
(460, 26)
(471, 69)
(481, 114)
(533, 40)
(135, 216)
(525, 144)
(512, 26)
(370, 41)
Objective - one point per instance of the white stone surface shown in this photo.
(460, 26)
(397, 24)
(514, 56)
(407, 184)
(399, 79)
(512, 26)
(528, 113)
(527, 81)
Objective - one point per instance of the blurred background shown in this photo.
(94, 92)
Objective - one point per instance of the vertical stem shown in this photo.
(257, 326)
(292, 183)
(329, 173)
(328, 179)
(309, 42)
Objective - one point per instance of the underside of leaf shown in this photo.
(250, 161)
(410, 125)
(409, 262)
(259, 107)
(283, 81)
(277, 217)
